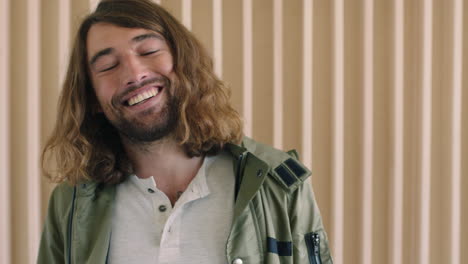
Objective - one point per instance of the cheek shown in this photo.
(165, 65)
(103, 90)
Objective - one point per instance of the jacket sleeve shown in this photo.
(52, 246)
(310, 241)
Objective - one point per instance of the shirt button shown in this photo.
(237, 261)
(150, 190)
(162, 208)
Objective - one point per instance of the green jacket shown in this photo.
(276, 218)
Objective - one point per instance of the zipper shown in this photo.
(70, 224)
(313, 247)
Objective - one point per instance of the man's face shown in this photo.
(131, 71)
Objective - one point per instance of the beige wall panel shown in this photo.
(263, 71)
(383, 40)
(437, 194)
(18, 133)
(368, 133)
(92, 4)
(307, 76)
(395, 230)
(186, 10)
(5, 176)
(175, 7)
(464, 186)
(292, 76)
(64, 37)
(33, 127)
(232, 51)
(202, 20)
(322, 130)
(217, 27)
(247, 67)
(464, 141)
(338, 92)
(426, 139)
(277, 106)
(378, 116)
(50, 78)
(353, 124)
(412, 81)
(441, 132)
(79, 9)
(456, 137)
(25, 125)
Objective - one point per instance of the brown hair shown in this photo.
(85, 146)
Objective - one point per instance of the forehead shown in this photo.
(104, 35)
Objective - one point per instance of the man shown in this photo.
(151, 161)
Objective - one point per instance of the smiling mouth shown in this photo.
(144, 96)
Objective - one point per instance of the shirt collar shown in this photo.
(197, 188)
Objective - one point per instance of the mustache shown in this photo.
(159, 80)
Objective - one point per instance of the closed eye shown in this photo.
(109, 68)
(149, 52)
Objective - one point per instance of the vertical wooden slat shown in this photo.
(64, 34)
(338, 130)
(247, 65)
(262, 71)
(426, 134)
(187, 13)
(93, 4)
(277, 106)
(293, 42)
(202, 24)
(5, 206)
(368, 132)
(426, 166)
(307, 12)
(218, 37)
(55, 31)
(232, 51)
(33, 127)
(174, 7)
(396, 231)
(19, 186)
(456, 132)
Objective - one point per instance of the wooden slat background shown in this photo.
(372, 93)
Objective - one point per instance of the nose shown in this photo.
(133, 70)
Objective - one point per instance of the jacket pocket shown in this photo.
(312, 241)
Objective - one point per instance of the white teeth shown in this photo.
(143, 96)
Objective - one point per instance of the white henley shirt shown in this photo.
(147, 229)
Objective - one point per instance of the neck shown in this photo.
(166, 161)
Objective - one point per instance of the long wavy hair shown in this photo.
(85, 146)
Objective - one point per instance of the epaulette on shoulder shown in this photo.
(291, 173)
(286, 169)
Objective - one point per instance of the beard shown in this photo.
(158, 125)
(162, 126)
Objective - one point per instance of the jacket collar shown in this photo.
(92, 222)
(250, 174)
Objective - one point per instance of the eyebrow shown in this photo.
(147, 36)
